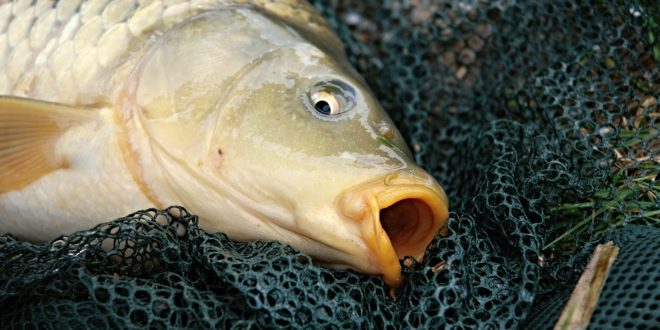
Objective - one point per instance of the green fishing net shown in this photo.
(540, 118)
(631, 296)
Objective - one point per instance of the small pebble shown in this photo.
(467, 56)
(476, 43)
(484, 30)
(461, 72)
(353, 18)
(448, 58)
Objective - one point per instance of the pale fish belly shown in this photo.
(95, 187)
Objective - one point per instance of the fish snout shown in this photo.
(399, 215)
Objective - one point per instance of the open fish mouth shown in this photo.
(398, 215)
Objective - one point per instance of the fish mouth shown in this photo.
(399, 216)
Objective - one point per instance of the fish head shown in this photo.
(267, 134)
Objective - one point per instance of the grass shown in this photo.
(631, 197)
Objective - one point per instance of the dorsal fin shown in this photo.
(29, 131)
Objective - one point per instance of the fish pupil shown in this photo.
(322, 107)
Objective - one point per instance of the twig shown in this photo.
(579, 308)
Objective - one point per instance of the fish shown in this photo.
(247, 113)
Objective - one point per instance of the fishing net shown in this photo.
(631, 296)
(540, 118)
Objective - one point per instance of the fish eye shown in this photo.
(325, 103)
(330, 98)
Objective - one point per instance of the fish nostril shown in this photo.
(409, 224)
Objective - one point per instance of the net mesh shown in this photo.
(631, 295)
(540, 118)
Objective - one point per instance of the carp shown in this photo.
(247, 113)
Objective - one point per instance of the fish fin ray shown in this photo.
(29, 131)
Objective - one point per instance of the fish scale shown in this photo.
(68, 48)
(67, 51)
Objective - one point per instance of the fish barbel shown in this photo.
(245, 112)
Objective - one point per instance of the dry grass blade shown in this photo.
(579, 308)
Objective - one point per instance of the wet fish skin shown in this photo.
(76, 53)
(126, 105)
(67, 51)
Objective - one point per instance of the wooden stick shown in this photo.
(579, 308)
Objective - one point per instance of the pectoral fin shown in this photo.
(29, 131)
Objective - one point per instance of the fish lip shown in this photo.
(366, 204)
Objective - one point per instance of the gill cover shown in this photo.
(264, 133)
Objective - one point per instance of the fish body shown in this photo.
(245, 112)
